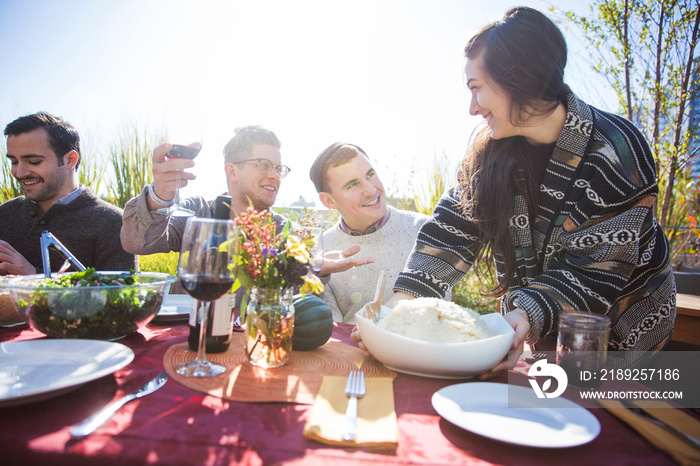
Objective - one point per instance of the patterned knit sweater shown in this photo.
(87, 226)
(348, 291)
(595, 246)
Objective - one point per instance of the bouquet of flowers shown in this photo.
(270, 260)
(272, 266)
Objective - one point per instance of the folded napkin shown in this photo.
(679, 449)
(376, 418)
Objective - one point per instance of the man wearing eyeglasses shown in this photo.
(254, 172)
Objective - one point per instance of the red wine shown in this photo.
(206, 288)
(219, 312)
(183, 152)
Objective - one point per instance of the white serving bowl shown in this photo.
(441, 360)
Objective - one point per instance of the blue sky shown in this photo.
(383, 74)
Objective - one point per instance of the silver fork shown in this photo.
(354, 389)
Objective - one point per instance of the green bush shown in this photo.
(90, 174)
(160, 262)
(9, 187)
(130, 157)
(468, 292)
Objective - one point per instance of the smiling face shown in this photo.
(37, 168)
(355, 191)
(247, 181)
(489, 100)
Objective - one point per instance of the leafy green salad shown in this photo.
(91, 304)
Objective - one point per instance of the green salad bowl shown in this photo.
(90, 305)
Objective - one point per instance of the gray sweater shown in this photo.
(149, 232)
(87, 226)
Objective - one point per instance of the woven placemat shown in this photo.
(297, 381)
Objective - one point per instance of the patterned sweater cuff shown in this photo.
(417, 288)
(533, 309)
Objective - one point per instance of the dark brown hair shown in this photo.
(525, 54)
(63, 137)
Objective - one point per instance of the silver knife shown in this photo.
(96, 420)
(636, 409)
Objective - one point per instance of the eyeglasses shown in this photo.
(265, 166)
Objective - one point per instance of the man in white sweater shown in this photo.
(346, 181)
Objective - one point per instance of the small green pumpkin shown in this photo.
(313, 322)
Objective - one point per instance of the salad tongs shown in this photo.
(49, 241)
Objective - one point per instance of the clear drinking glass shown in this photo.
(582, 347)
(182, 126)
(207, 270)
(317, 250)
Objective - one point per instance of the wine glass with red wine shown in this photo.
(207, 270)
(182, 126)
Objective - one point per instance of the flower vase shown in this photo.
(269, 327)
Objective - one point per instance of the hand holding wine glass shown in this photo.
(183, 128)
(207, 270)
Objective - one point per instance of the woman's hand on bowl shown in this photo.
(396, 297)
(518, 319)
(356, 338)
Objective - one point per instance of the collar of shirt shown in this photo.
(70, 197)
(380, 223)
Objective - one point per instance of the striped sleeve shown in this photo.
(441, 255)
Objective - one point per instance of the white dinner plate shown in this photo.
(38, 369)
(175, 308)
(483, 408)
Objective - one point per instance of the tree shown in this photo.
(646, 50)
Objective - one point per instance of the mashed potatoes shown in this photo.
(435, 321)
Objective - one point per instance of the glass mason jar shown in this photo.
(269, 327)
(582, 347)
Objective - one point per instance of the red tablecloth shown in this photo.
(177, 425)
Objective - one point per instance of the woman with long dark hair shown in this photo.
(556, 193)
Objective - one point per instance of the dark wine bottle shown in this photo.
(220, 317)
